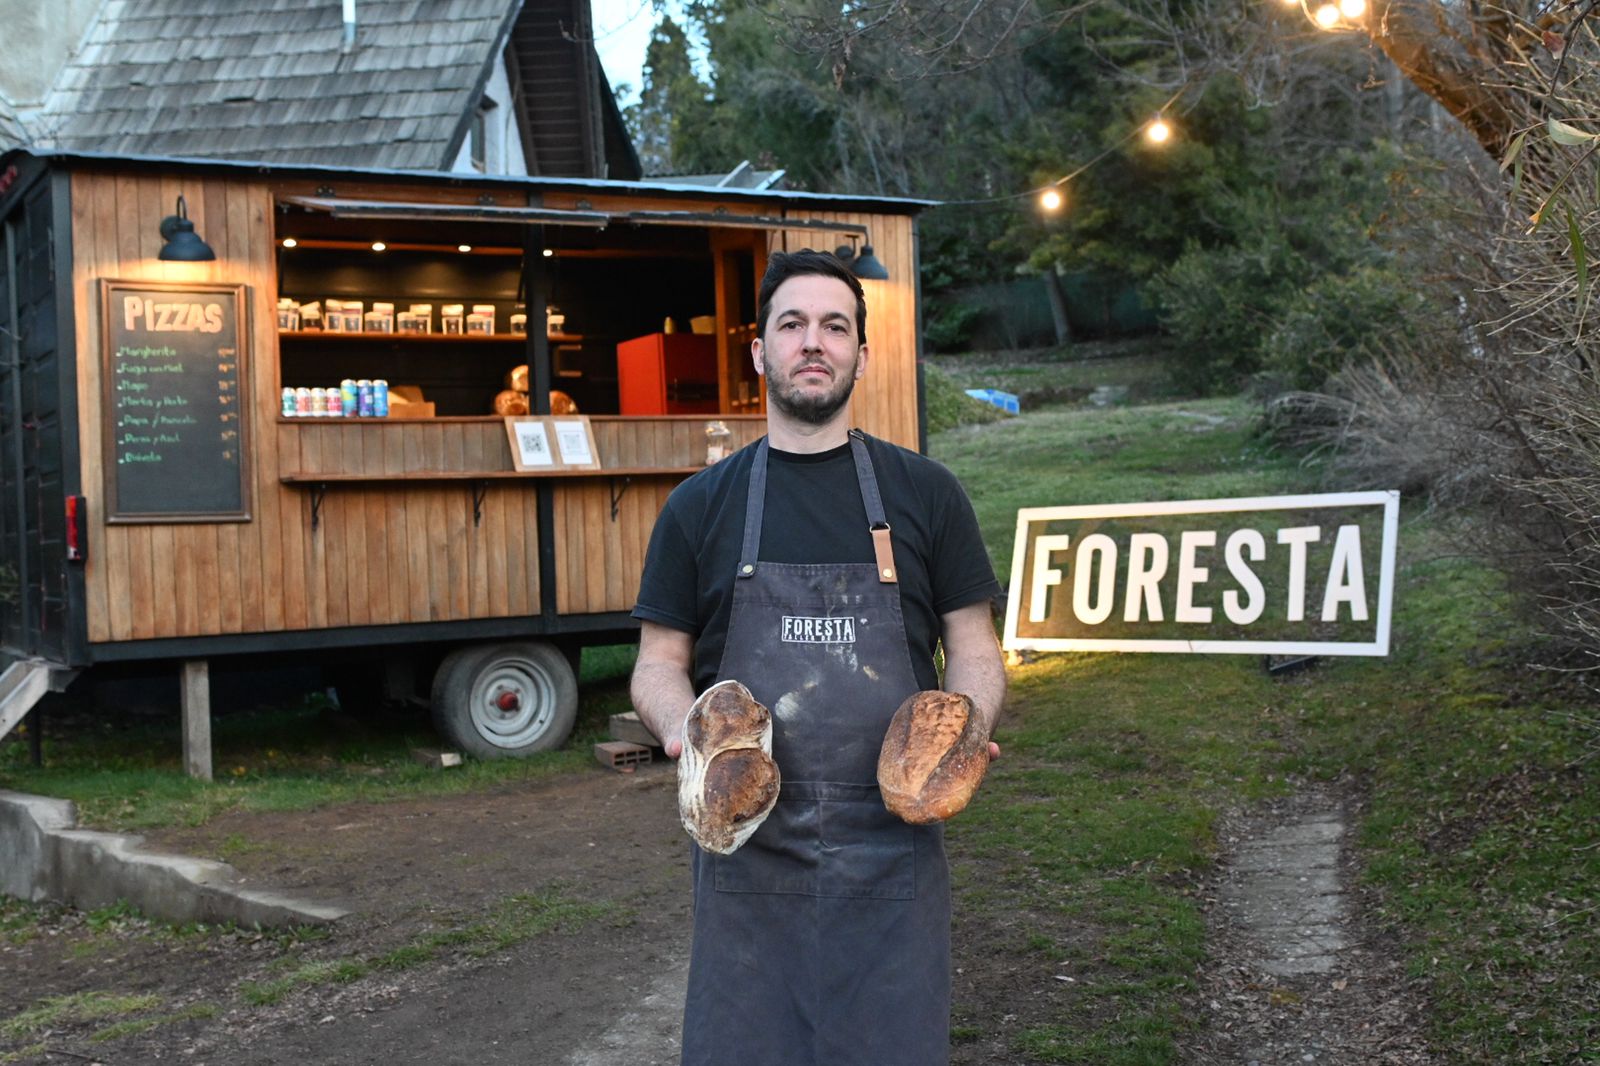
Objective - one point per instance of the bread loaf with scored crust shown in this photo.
(933, 757)
(727, 781)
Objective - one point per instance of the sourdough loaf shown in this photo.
(933, 757)
(727, 781)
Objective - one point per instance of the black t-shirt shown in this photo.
(814, 514)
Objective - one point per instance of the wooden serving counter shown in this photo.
(378, 449)
(438, 501)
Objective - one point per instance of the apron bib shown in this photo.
(825, 939)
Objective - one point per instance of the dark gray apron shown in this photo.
(825, 939)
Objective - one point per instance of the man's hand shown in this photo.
(661, 689)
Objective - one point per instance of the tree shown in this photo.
(672, 101)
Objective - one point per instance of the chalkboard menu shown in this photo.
(175, 408)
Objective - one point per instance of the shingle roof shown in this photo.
(266, 79)
(12, 132)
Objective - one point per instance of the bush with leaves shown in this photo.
(1343, 320)
(1218, 303)
(948, 324)
(949, 406)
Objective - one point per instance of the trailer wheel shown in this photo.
(503, 700)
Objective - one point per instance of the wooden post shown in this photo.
(196, 696)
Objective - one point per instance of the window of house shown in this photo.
(478, 138)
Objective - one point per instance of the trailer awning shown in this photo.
(404, 209)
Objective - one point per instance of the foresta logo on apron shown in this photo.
(804, 630)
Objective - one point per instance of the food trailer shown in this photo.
(195, 460)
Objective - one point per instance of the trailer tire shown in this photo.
(500, 701)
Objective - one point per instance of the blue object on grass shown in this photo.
(1003, 400)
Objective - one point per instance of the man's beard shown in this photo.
(812, 409)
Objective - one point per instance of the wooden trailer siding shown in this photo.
(149, 581)
(395, 540)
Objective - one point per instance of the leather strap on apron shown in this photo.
(825, 940)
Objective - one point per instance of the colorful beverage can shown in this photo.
(380, 398)
(288, 409)
(302, 402)
(364, 398)
(332, 403)
(347, 397)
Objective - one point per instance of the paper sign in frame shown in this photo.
(1388, 499)
(590, 457)
(521, 460)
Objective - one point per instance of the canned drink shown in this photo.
(380, 398)
(364, 398)
(302, 402)
(288, 408)
(347, 397)
(334, 405)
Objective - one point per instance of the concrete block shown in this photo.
(619, 754)
(26, 827)
(43, 857)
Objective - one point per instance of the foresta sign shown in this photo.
(1265, 575)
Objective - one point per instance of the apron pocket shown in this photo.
(828, 840)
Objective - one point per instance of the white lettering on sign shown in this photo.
(151, 316)
(1249, 569)
(803, 630)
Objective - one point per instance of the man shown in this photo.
(825, 939)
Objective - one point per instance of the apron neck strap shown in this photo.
(871, 499)
(752, 511)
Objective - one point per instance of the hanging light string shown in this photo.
(1146, 129)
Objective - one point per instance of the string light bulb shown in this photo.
(1326, 16)
(378, 246)
(1051, 200)
(1352, 9)
(1158, 132)
(289, 242)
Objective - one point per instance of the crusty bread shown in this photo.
(933, 757)
(727, 781)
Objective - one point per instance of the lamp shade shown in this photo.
(865, 266)
(183, 244)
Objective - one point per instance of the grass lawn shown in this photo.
(128, 775)
(1481, 814)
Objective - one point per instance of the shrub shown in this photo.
(1343, 320)
(949, 406)
(1218, 303)
(950, 324)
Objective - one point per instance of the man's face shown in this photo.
(809, 353)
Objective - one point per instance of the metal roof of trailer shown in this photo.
(821, 201)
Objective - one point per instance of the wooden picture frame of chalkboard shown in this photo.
(175, 418)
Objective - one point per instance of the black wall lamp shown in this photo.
(865, 265)
(183, 244)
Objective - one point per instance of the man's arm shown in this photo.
(661, 687)
(972, 662)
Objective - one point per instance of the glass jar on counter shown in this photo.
(719, 441)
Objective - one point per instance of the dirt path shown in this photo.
(607, 988)
(597, 992)
(1298, 972)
